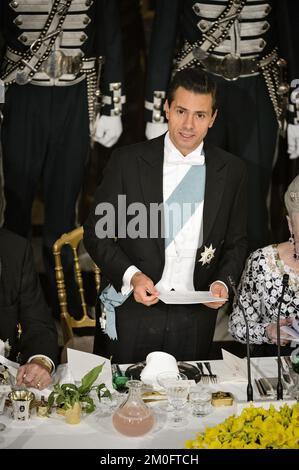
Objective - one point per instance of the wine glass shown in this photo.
(200, 400)
(176, 386)
(162, 379)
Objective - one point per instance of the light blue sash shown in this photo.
(187, 195)
(111, 299)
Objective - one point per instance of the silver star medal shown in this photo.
(207, 255)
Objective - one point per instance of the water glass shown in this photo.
(200, 401)
(163, 379)
(177, 394)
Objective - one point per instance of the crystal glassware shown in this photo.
(176, 386)
(200, 400)
(162, 379)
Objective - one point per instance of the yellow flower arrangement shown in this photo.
(255, 428)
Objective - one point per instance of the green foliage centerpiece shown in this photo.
(74, 398)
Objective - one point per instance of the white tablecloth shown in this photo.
(96, 431)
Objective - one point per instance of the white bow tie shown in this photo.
(175, 159)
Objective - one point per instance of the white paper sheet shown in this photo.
(12, 366)
(188, 297)
(81, 362)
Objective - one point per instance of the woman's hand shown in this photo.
(271, 331)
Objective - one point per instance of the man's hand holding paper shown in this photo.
(144, 290)
(218, 290)
(191, 297)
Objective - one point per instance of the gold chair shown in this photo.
(72, 239)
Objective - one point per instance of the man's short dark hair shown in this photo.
(195, 80)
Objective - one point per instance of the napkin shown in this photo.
(12, 366)
(5, 387)
(234, 368)
(157, 362)
(63, 375)
(80, 363)
(4, 348)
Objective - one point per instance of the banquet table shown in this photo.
(96, 430)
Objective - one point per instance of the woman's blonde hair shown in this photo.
(291, 197)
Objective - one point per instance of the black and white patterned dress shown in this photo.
(259, 290)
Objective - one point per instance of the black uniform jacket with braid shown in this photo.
(92, 27)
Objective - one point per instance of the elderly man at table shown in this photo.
(26, 326)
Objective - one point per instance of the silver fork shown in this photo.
(204, 377)
(213, 377)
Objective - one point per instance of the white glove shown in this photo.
(107, 130)
(155, 129)
(293, 141)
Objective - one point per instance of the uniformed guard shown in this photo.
(53, 54)
(240, 42)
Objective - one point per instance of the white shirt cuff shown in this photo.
(46, 357)
(126, 288)
(220, 282)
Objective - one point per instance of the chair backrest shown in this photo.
(72, 239)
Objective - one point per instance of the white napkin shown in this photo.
(4, 348)
(12, 366)
(234, 368)
(157, 362)
(6, 388)
(80, 363)
(63, 375)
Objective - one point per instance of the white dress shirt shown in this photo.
(181, 252)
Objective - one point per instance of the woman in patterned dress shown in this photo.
(261, 287)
